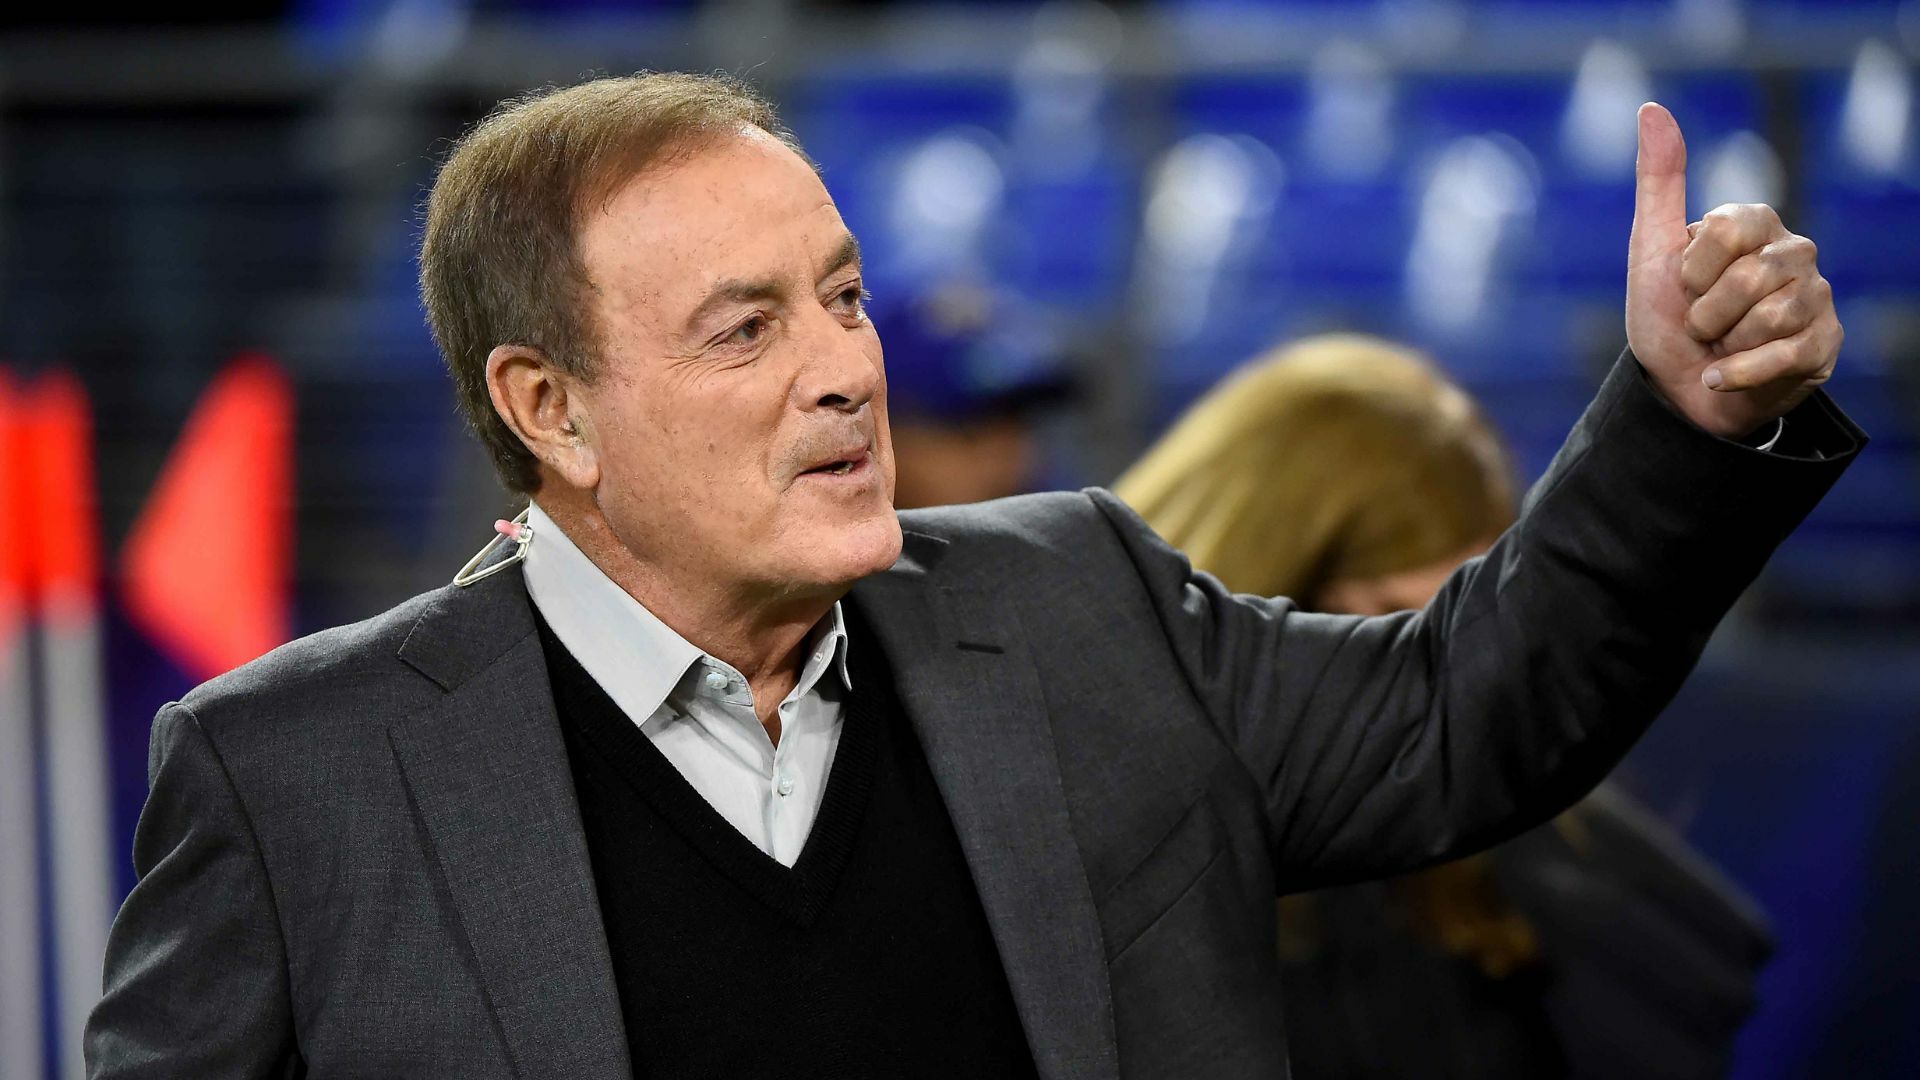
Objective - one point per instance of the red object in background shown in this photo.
(61, 550)
(13, 554)
(206, 572)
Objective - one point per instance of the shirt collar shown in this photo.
(636, 658)
(829, 648)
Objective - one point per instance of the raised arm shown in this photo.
(1384, 744)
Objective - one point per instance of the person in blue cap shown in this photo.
(969, 372)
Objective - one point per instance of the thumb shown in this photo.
(1659, 187)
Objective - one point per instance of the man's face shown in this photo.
(739, 413)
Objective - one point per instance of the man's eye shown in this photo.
(748, 332)
(852, 299)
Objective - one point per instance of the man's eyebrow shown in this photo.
(847, 254)
(742, 291)
(736, 291)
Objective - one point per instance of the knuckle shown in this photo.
(1790, 313)
(1740, 228)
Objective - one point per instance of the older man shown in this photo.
(737, 773)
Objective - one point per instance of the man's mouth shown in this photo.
(839, 466)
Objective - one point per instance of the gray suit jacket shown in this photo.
(362, 856)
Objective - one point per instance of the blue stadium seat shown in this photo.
(1060, 235)
(850, 117)
(1071, 237)
(1331, 234)
(1862, 195)
(1586, 192)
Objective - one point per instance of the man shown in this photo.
(738, 773)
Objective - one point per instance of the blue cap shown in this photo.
(956, 353)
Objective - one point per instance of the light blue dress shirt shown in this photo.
(695, 708)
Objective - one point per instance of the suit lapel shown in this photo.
(488, 775)
(966, 678)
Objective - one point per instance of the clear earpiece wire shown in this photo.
(471, 573)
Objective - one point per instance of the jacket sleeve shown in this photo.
(196, 973)
(1385, 744)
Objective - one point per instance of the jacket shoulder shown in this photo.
(339, 671)
(1081, 534)
(1053, 521)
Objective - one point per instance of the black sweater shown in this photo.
(869, 957)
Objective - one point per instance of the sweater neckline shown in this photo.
(797, 893)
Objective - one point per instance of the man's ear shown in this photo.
(542, 405)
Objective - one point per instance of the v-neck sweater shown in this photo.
(869, 957)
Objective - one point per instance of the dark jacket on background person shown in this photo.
(1647, 963)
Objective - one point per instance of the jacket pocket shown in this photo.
(1162, 877)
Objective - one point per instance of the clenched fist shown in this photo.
(1729, 314)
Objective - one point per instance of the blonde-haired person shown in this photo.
(1349, 474)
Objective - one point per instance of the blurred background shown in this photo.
(223, 421)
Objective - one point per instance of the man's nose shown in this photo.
(840, 369)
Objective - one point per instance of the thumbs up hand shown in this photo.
(1729, 315)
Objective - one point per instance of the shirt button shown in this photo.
(785, 786)
(717, 680)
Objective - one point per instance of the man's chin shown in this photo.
(833, 557)
(871, 546)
